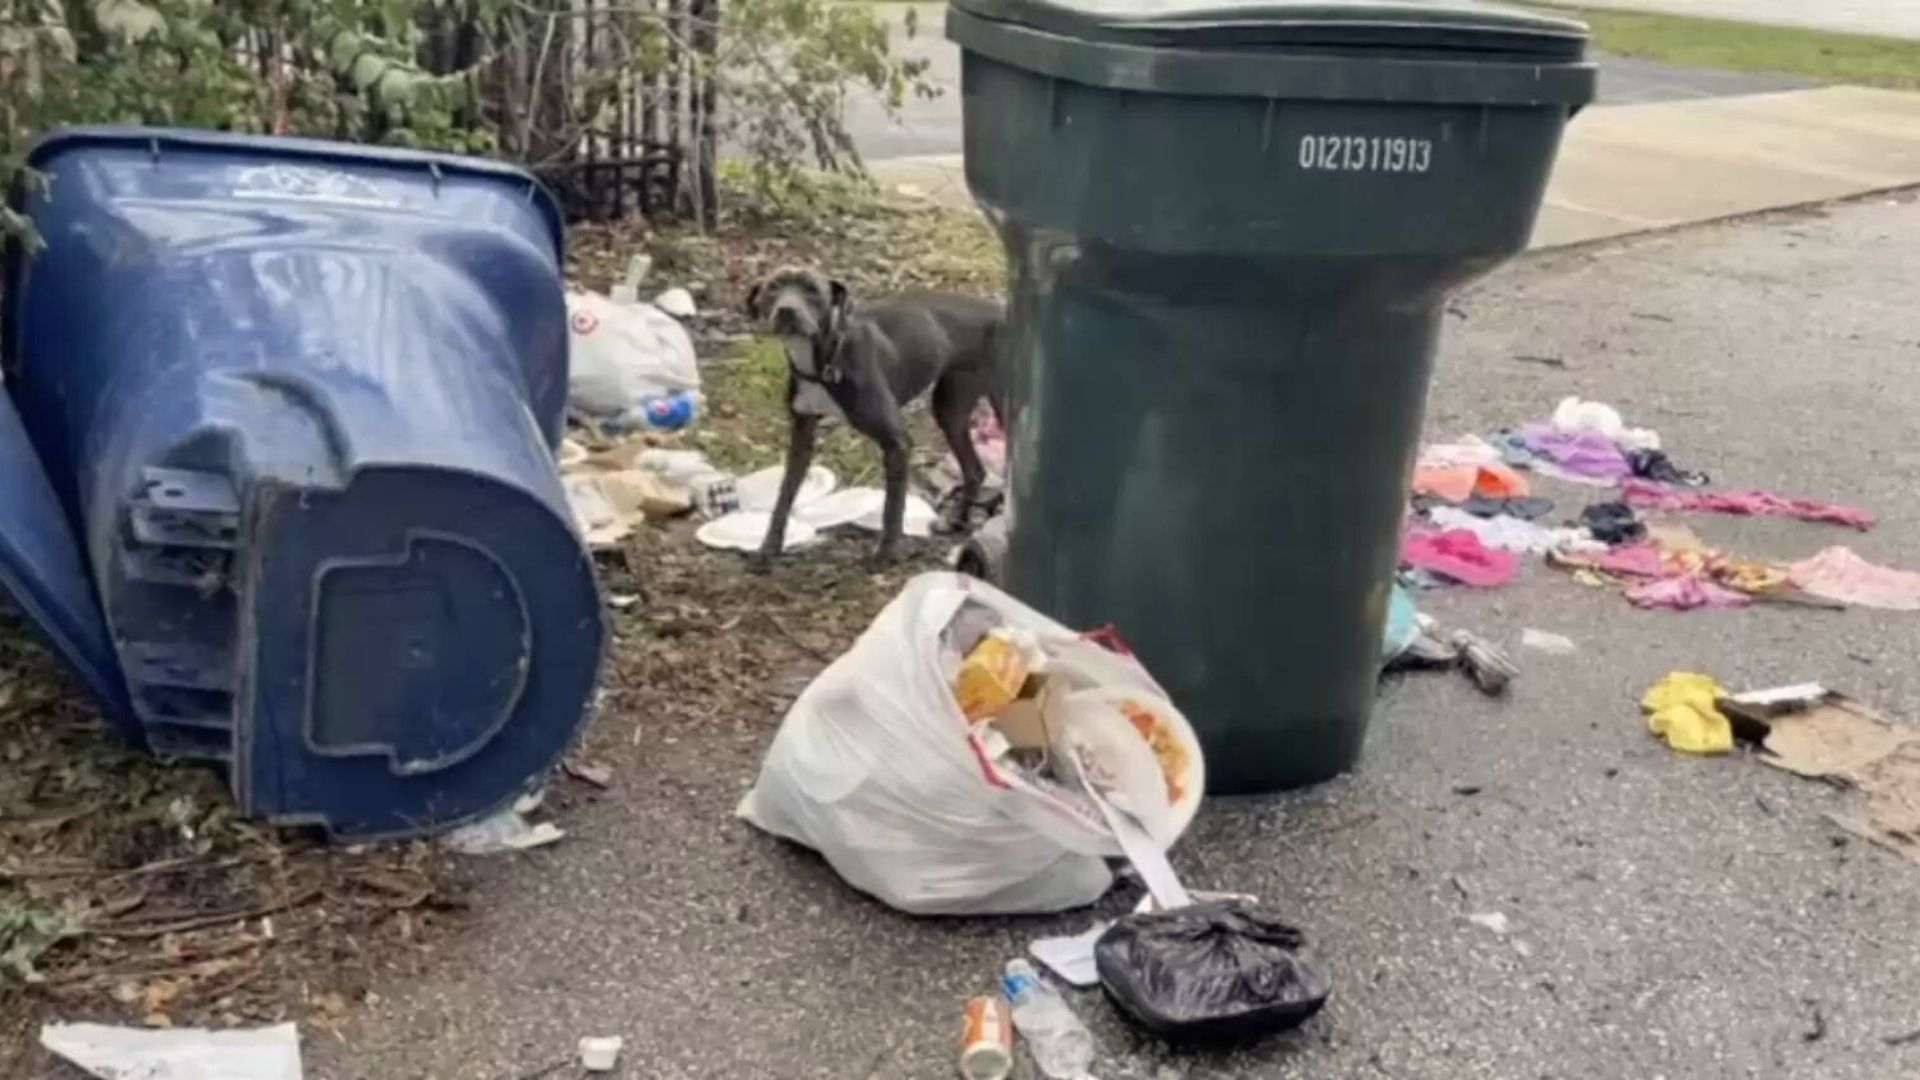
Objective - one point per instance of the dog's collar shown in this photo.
(825, 348)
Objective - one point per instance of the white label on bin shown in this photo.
(280, 181)
(1365, 153)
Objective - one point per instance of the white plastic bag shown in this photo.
(874, 767)
(622, 356)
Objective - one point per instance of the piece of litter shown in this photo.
(621, 601)
(1797, 696)
(1550, 643)
(505, 831)
(600, 1053)
(597, 773)
(1071, 956)
(1493, 921)
(1683, 709)
(118, 1053)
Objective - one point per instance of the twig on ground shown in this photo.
(205, 921)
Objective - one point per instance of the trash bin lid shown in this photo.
(1493, 53)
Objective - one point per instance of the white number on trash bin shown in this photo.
(1365, 153)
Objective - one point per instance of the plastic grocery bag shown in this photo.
(624, 357)
(1210, 971)
(875, 768)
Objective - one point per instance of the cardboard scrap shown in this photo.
(1848, 743)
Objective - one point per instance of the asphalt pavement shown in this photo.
(1668, 916)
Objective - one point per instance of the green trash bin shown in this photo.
(1232, 229)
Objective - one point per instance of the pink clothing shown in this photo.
(1839, 574)
(1458, 554)
(1633, 560)
(1638, 492)
(1684, 593)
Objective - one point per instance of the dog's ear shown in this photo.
(753, 299)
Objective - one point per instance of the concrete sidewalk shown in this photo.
(1631, 168)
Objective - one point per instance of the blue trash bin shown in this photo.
(297, 402)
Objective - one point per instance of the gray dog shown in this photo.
(864, 365)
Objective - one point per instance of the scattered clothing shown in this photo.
(1655, 465)
(1583, 453)
(1459, 555)
(1574, 414)
(1647, 493)
(1526, 509)
(1513, 534)
(1683, 709)
(1457, 484)
(1838, 573)
(1634, 560)
(1470, 452)
(1685, 592)
(1613, 523)
(1742, 575)
(1403, 623)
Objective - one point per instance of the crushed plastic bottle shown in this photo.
(1061, 1045)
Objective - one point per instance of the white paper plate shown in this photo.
(743, 530)
(844, 507)
(758, 491)
(866, 507)
(917, 521)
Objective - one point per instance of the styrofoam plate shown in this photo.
(743, 530)
(758, 491)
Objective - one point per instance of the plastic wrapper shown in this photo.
(1210, 972)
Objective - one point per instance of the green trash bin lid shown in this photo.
(1438, 51)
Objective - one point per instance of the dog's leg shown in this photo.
(800, 441)
(954, 397)
(894, 451)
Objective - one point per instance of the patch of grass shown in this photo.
(746, 427)
(1736, 46)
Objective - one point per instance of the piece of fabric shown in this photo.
(1574, 414)
(1840, 574)
(1513, 534)
(1457, 484)
(1613, 523)
(1459, 555)
(1647, 493)
(1684, 592)
(1743, 575)
(1683, 709)
(1526, 509)
(1655, 465)
(1583, 453)
(1470, 452)
(1403, 623)
(1634, 560)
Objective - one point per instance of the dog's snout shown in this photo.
(791, 318)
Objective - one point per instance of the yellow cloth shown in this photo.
(1684, 709)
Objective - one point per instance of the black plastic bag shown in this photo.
(1210, 972)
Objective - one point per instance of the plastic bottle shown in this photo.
(1061, 1045)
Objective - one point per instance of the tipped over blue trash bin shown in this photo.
(278, 471)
